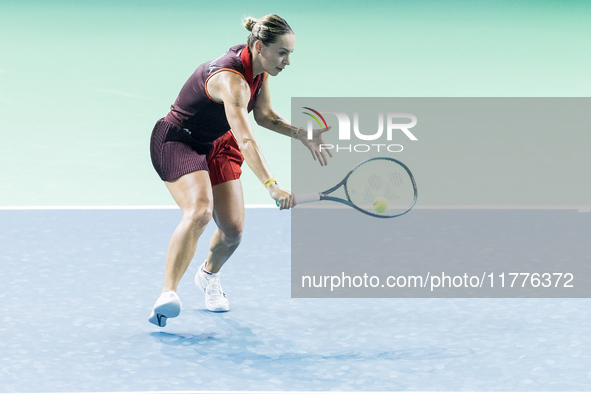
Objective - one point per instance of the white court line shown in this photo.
(102, 207)
(580, 208)
(82, 207)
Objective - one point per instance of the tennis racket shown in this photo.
(381, 187)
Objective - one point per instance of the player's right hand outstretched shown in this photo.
(284, 198)
(315, 144)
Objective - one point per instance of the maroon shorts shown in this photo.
(175, 153)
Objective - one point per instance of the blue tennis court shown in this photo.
(79, 284)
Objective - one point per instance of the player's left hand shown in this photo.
(284, 198)
(315, 143)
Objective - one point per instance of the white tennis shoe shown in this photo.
(215, 298)
(167, 306)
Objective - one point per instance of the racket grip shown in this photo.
(310, 197)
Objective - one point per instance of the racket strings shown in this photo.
(381, 180)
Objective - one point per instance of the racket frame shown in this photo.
(325, 194)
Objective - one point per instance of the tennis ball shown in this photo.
(380, 205)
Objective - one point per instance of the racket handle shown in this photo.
(310, 197)
(304, 198)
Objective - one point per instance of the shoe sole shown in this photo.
(163, 312)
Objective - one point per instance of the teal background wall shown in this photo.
(82, 83)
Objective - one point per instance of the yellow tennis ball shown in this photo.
(380, 205)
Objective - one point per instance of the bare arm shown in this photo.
(234, 92)
(266, 117)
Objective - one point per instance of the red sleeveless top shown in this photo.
(196, 111)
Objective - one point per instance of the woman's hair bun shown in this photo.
(249, 23)
(268, 28)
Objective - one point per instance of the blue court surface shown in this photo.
(78, 285)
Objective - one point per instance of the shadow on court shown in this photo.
(242, 345)
(251, 353)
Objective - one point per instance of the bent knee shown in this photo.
(233, 232)
(198, 216)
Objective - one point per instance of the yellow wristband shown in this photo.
(269, 181)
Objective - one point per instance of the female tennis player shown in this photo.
(199, 147)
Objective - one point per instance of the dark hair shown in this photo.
(266, 29)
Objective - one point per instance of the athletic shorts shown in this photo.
(175, 153)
